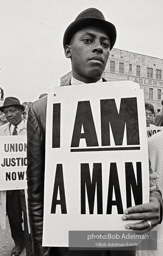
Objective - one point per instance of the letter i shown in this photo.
(56, 125)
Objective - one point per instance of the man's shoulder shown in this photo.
(23, 125)
(3, 128)
(159, 114)
(37, 113)
(156, 141)
(39, 106)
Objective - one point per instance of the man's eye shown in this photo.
(87, 40)
(106, 45)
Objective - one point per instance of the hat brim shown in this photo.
(12, 105)
(85, 22)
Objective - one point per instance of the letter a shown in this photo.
(59, 186)
(114, 184)
(84, 119)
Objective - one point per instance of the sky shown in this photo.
(31, 50)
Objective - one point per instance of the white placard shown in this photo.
(96, 158)
(151, 130)
(13, 162)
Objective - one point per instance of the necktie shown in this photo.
(15, 132)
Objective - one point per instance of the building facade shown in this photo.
(142, 69)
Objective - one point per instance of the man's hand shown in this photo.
(148, 216)
(153, 177)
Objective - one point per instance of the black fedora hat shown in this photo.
(11, 101)
(88, 17)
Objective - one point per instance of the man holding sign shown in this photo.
(15, 199)
(87, 43)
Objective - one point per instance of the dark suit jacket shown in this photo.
(159, 119)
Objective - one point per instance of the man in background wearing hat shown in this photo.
(15, 199)
(87, 43)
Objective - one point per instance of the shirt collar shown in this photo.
(20, 126)
(75, 81)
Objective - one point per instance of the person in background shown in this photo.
(159, 117)
(155, 146)
(1, 94)
(13, 201)
(150, 114)
(87, 43)
(26, 107)
(3, 119)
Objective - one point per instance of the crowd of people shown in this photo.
(87, 43)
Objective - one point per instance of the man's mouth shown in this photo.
(97, 59)
(11, 120)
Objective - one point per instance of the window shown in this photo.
(137, 70)
(159, 94)
(151, 93)
(150, 72)
(121, 68)
(130, 67)
(112, 66)
(158, 74)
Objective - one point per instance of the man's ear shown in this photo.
(68, 51)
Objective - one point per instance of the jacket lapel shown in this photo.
(6, 130)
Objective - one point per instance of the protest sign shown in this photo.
(13, 162)
(151, 130)
(96, 158)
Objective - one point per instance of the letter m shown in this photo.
(92, 186)
(127, 116)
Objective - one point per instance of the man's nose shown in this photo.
(8, 114)
(98, 47)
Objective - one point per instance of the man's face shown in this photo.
(2, 117)
(149, 117)
(13, 115)
(89, 51)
